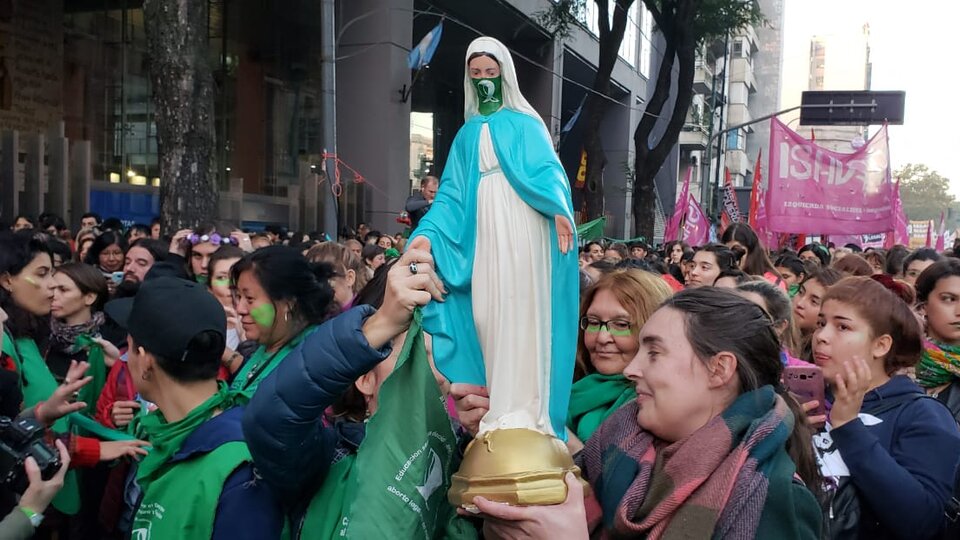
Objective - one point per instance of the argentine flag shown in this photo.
(421, 54)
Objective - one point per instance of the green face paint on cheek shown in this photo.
(264, 315)
(222, 282)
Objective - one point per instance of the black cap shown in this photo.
(166, 314)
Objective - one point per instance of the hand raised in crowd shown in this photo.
(40, 492)
(849, 387)
(178, 244)
(472, 403)
(243, 241)
(122, 412)
(233, 321)
(421, 243)
(505, 521)
(61, 402)
(112, 450)
(564, 233)
(110, 352)
(412, 282)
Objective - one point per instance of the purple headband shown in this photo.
(214, 238)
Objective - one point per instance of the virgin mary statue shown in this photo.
(500, 231)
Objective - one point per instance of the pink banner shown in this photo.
(899, 234)
(696, 225)
(672, 230)
(817, 191)
(941, 233)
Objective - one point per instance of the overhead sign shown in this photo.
(858, 108)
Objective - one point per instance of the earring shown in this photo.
(286, 315)
(144, 376)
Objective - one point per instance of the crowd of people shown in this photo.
(229, 376)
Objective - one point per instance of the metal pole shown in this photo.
(328, 97)
(706, 158)
(723, 102)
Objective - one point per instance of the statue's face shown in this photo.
(483, 67)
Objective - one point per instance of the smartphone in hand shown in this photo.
(806, 384)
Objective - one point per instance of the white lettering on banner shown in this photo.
(798, 162)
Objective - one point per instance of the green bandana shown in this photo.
(166, 438)
(201, 279)
(939, 365)
(594, 398)
(90, 393)
(489, 95)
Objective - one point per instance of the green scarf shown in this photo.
(38, 384)
(166, 438)
(939, 365)
(261, 364)
(396, 484)
(594, 398)
(90, 393)
(489, 95)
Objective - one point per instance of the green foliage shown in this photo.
(924, 192)
(562, 17)
(713, 18)
(717, 17)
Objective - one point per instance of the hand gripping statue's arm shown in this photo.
(444, 225)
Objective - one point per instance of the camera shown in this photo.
(21, 438)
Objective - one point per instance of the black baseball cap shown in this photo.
(166, 314)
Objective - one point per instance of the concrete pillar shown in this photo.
(309, 200)
(293, 210)
(58, 162)
(33, 177)
(81, 173)
(10, 175)
(373, 126)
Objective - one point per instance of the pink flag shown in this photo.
(941, 233)
(696, 226)
(929, 234)
(672, 230)
(900, 233)
(813, 190)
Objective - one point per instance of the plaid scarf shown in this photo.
(713, 484)
(63, 337)
(939, 365)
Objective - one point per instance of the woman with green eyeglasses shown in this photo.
(611, 315)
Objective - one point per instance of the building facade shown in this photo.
(74, 77)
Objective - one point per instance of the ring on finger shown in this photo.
(413, 268)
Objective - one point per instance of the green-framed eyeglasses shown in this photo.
(615, 327)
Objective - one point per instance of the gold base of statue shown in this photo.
(520, 467)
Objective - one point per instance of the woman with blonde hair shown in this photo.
(350, 275)
(611, 315)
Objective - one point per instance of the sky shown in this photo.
(912, 48)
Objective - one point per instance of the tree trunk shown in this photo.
(183, 95)
(595, 106)
(680, 48)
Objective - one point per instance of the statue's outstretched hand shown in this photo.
(564, 234)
